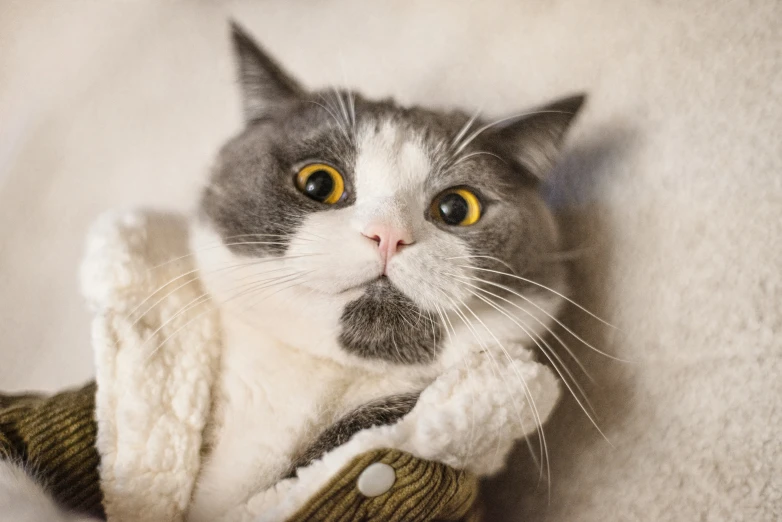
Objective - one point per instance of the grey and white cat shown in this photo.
(358, 249)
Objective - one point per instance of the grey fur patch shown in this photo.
(381, 412)
(385, 324)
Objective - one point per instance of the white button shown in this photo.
(376, 479)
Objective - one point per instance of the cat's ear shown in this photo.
(263, 82)
(532, 140)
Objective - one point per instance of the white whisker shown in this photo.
(196, 278)
(527, 392)
(193, 303)
(215, 246)
(498, 373)
(539, 285)
(334, 117)
(478, 153)
(465, 128)
(550, 316)
(541, 323)
(546, 353)
(488, 126)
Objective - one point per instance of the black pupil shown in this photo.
(453, 208)
(319, 185)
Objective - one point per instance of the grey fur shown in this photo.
(264, 83)
(384, 411)
(251, 190)
(382, 324)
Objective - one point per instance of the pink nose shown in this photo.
(389, 239)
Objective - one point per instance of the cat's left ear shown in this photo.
(264, 83)
(533, 139)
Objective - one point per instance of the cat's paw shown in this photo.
(471, 415)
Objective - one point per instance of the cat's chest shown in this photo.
(272, 402)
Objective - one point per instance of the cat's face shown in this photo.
(363, 230)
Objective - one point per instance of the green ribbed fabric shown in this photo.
(424, 491)
(54, 437)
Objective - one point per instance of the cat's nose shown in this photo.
(389, 239)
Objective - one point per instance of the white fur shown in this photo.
(23, 500)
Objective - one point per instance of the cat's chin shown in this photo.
(371, 285)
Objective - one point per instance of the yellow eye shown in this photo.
(457, 207)
(321, 182)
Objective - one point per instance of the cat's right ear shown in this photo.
(263, 82)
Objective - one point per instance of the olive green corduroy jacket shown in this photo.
(55, 438)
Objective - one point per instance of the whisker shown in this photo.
(350, 96)
(553, 353)
(196, 278)
(488, 126)
(477, 256)
(193, 303)
(541, 323)
(497, 373)
(479, 153)
(295, 281)
(282, 236)
(336, 120)
(527, 392)
(216, 246)
(343, 108)
(550, 316)
(445, 319)
(539, 285)
(594, 423)
(340, 104)
(494, 368)
(465, 128)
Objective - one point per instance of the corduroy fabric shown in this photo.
(424, 491)
(54, 438)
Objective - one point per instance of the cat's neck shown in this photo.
(272, 400)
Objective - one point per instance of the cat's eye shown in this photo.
(457, 207)
(321, 182)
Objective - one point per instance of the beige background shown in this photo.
(672, 182)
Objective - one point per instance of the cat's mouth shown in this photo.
(381, 281)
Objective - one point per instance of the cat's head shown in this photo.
(379, 234)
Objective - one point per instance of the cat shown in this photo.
(371, 223)
(357, 249)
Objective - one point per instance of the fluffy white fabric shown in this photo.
(155, 369)
(158, 359)
(675, 171)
